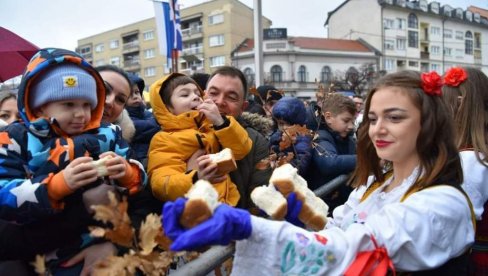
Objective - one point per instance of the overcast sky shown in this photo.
(60, 23)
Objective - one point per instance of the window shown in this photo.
(477, 40)
(149, 53)
(468, 43)
(447, 52)
(401, 43)
(413, 64)
(99, 48)
(459, 35)
(459, 53)
(412, 21)
(435, 67)
(401, 23)
(413, 39)
(276, 73)
(216, 40)
(148, 35)
(150, 71)
(85, 50)
(389, 64)
(325, 74)
(249, 76)
(435, 50)
(389, 45)
(447, 33)
(115, 61)
(114, 44)
(215, 19)
(302, 74)
(99, 62)
(217, 61)
(389, 23)
(435, 30)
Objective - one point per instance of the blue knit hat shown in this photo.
(63, 82)
(290, 110)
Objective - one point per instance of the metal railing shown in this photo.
(216, 255)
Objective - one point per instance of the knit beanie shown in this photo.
(290, 110)
(268, 93)
(63, 82)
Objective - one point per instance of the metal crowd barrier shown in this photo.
(216, 255)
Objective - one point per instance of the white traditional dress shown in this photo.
(423, 232)
(475, 181)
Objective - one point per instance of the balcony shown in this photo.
(130, 47)
(425, 55)
(192, 33)
(132, 65)
(192, 51)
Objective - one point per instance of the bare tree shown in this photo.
(354, 79)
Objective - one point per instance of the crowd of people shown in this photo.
(415, 149)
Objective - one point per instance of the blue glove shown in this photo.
(225, 225)
(171, 218)
(294, 208)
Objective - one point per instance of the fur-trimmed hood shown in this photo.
(127, 126)
(260, 123)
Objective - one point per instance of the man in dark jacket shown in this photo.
(227, 87)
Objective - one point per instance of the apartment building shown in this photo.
(297, 65)
(210, 31)
(417, 35)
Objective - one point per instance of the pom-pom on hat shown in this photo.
(63, 82)
(291, 110)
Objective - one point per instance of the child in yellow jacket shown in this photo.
(189, 124)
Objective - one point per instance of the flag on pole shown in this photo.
(168, 27)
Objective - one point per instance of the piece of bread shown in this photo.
(202, 201)
(314, 210)
(100, 166)
(225, 161)
(271, 201)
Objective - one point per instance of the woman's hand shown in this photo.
(80, 172)
(91, 256)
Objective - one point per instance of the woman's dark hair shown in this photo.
(439, 158)
(115, 69)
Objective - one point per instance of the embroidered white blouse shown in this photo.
(475, 181)
(424, 231)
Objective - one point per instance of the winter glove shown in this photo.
(226, 224)
(294, 208)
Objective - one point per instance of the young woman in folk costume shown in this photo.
(465, 91)
(412, 217)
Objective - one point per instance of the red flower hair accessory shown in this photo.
(455, 76)
(432, 83)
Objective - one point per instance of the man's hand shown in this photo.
(80, 172)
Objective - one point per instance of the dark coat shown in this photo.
(146, 126)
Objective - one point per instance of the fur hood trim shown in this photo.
(127, 126)
(260, 123)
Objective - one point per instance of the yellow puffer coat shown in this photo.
(175, 144)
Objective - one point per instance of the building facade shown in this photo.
(209, 31)
(298, 65)
(415, 35)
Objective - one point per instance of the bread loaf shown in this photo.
(100, 166)
(271, 201)
(225, 161)
(202, 201)
(314, 210)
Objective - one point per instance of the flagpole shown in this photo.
(174, 60)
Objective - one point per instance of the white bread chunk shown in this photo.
(225, 161)
(100, 166)
(271, 201)
(314, 210)
(202, 201)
